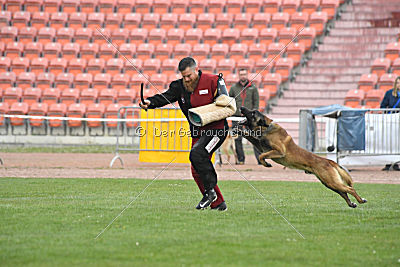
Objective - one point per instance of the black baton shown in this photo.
(141, 95)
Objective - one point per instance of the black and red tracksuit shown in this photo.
(205, 140)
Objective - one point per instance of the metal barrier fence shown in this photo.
(378, 134)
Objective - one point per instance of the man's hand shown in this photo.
(145, 105)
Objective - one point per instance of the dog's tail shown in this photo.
(344, 174)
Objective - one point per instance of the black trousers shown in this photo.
(239, 146)
(200, 156)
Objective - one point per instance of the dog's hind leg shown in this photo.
(353, 192)
(344, 196)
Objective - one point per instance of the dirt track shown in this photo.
(64, 165)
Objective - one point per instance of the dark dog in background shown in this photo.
(275, 143)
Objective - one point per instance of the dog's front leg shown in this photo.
(272, 154)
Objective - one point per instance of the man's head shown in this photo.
(243, 75)
(189, 71)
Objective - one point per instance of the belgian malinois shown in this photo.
(275, 143)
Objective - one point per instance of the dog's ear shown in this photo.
(262, 122)
(268, 120)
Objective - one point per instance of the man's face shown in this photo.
(190, 78)
(243, 76)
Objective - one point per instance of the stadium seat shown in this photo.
(5, 64)
(107, 96)
(33, 50)
(33, 5)
(12, 95)
(159, 81)
(246, 63)
(143, 6)
(226, 65)
(174, 77)
(309, 6)
(128, 50)
(125, 6)
(56, 110)
(106, 51)
(318, 21)
(175, 36)
(40, 19)
(89, 6)
(96, 111)
(256, 79)
(150, 21)
(151, 66)
(157, 36)
(200, 51)
(83, 80)
(287, 34)
(268, 36)
(234, 6)
(354, 98)
(52, 50)
(252, 6)
(205, 21)
(13, 50)
(279, 20)
(186, 21)
(101, 80)
(13, 5)
(284, 66)
(373, 98)
(329, 6)
(107, 6)
(129, 69)
(51, 96)
(263, 65)
(169, 66)
(198, 6)
(114, 66)
(70, 6)
(208, 65)
(248, 36)
(212, 36)
(223, 21)
(77, 65)
(120, 81)
(69, 96)
(306, 37)
(8, 34)
(46, 35)
(168, 21)
(37, 109)
(193, 36)
(132, 21)
(219, 51)
(65, 35)
(295, 51)
(5, 18)
(271, 82)
(89, 51)
(271, 6)
(137, 79)
(139, 35)
(275, 51)
(58, 65)
(290, 6)
(58, 20)
(112, 113)
(380, 66)
(230, 36)
(18, 108)
(238, 51)
(396, 66)
(242, 21)
(83, 36)
(25, 80)
(7, 79)
(64, 80)
(99, 35)
(19, 64)
(386, 81)
(392, 51)
(367, 82)
(231, 79)
(216, 6)
(4, 108)
(145, 51)
(299, 20)
(75, 110)
(126, 97)
(179, 6)
(21, 19)
(88, 96)
(113, 21)
(45, 80)
(261, 20)
(182, 50)
(70, 51)
(77, 20)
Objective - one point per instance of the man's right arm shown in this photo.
(168, 97)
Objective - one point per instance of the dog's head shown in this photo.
(254, 118)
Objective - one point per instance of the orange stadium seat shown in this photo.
(159, 80)
(143, 6)
(88, 96)
(46, 35)
(230, 36)
(70, 6)
(129, 69)
(107, 6)
(145, 51)
(168, 21)
(56, 110)
(58, 65)
(208, 65)
(126, 97)
(242, 21)
(380, 66)
(83, 36)
(128, 50)
(367, 82)
(101, 80)
(396, 66)
(139, 35)
(219, 51)
(83, 80)
(318, 21)
(197, 6)
(19, 64)
(120, 36)
(231, 79)
(179, 6)
(12, 95)
(14, 49)
(246, 63)
(193, 36)
(238, 51)
(169, 66)
(201, 51)
(8, 34)
(298, 20)
(25, 80)
(182, 50)
(69, 96)
(290, 6)
(21, 19)
(132, 20)
(37, 109)
(275, 51)
(120, 81)
(95, 110)
(261, 20)
(255, 79)
(51, 6)
(77, 20)
(226, 65)
(112, 113)
(252, 6)
(279, 20)
(88, 6)
(45, 80)
(151, 66)
(98, 37)
(286, 35)
(114, 66)
(212, 36)
(58, 20)
(113, 21)
(329, 6)
(18, 108)
(95, 20)
(271, 6)
(4, 108)
(7, 79)
(106, 51)
(65, 35)
(64, 80)
(161, 6)
(40, 19)
(392, 51)
(51, 96)
(157, 36)
(268, 36)
(33, 50)
(386, 81)
(31, 95)
(52, 50)
(137, 79)
(174, 77)
(354, 98)
(216, 6)
(33, 5)
(186, 21)
(248, 36)
(309, 6)
(107, 96)
(175, 36)
(234, 6)
(263, 65)
(14, 5)
(373, 98)
(284, 66)
(271, 82)
(89, 51)
(70, 51)
(5, 18)
(125, 6)
(223, 21)
(150, 21)
(205, 21)
(5, 64)
(163, 51)
(306, 37)
(76, 110)
(295, 51)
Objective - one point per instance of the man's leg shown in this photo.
(257, 154)
(239, 144)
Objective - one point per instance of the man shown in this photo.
(246, 95)
(193, 90)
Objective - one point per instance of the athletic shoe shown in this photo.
(221, 207)
(209, 197)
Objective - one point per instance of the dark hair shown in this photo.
(242, 69)
(186, 62)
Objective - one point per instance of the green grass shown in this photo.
(53, 222)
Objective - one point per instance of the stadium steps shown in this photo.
(354, 41)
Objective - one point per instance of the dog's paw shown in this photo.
(364, 200)
(353, 205)
(266, 164)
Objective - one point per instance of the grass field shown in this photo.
(53, 222)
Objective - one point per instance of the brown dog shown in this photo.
(274, 143)
(229, 145)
